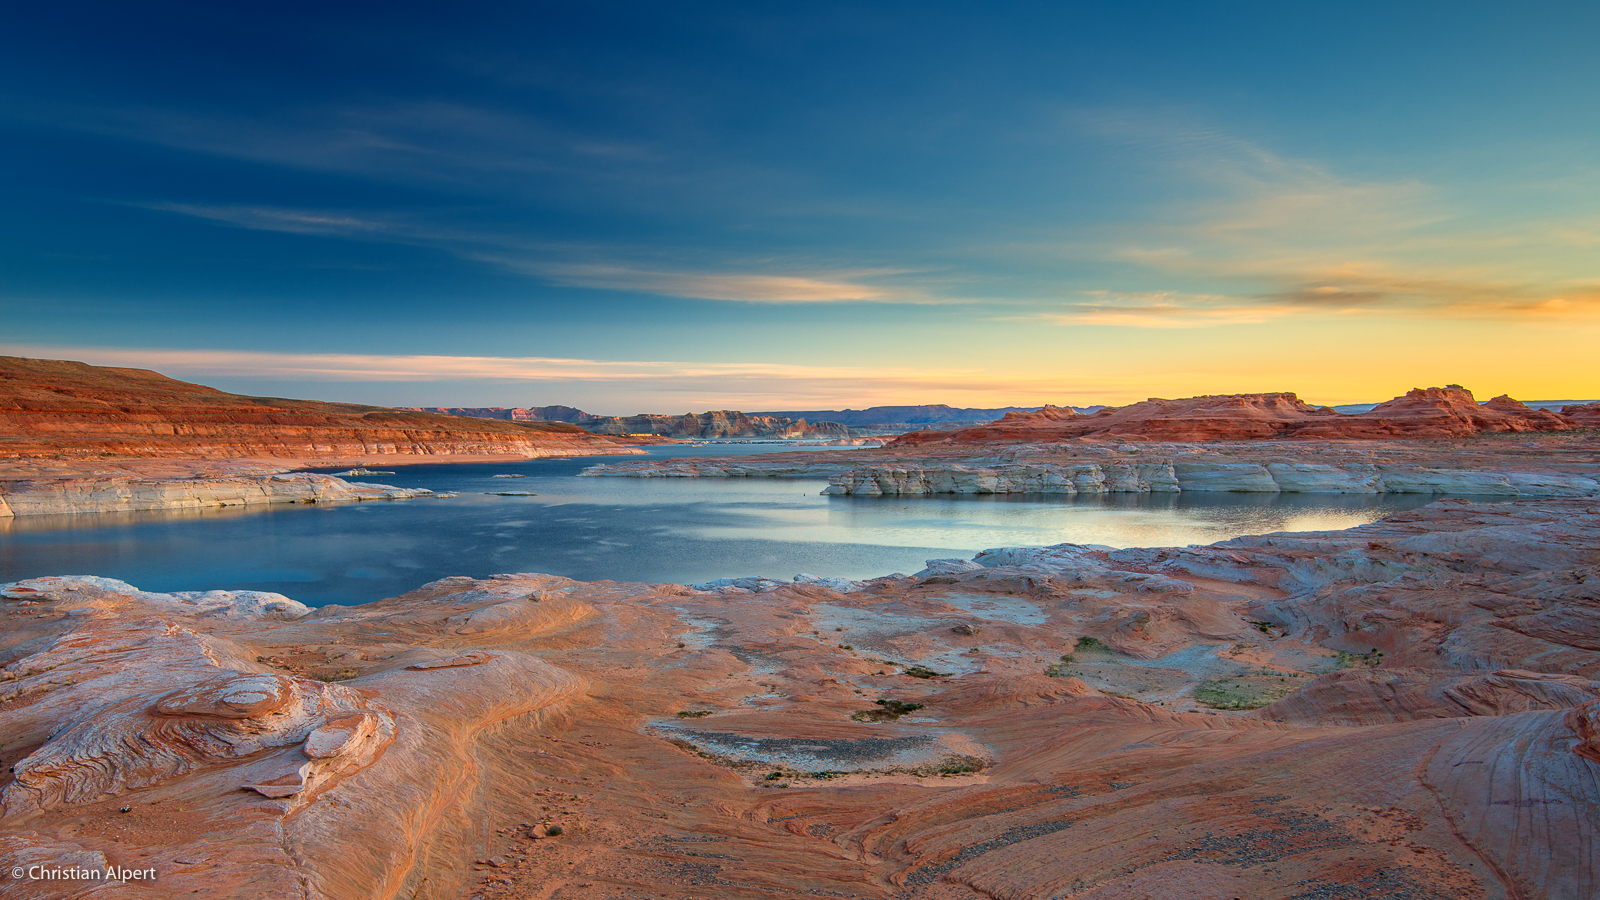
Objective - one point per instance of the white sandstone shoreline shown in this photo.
(57, 487)
(1031, 471)
(127, 493)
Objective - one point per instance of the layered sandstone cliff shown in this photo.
(70, 410)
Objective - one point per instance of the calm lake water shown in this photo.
(680, 530)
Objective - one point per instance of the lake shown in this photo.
(681, 530)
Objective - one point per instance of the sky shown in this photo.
(672, 207)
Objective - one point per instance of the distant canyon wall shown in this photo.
(714, 424)
(1423, 413)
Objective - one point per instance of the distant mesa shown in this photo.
(1422, 413)
(794, 424)
(716, 424)
(900, 419)
(566, 414)
(1585, 415)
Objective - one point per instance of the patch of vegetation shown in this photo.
(342, 675)
(1263, 627)
(1360, 660)
(1086, 644)
(961, 765)
(1059, 670)
(694, 713)
(554, 831)
(924, 672)
(846, 647)
(1246, 691)
(887, 711)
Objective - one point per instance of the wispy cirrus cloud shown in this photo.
(1157, 309)
(1426, 294)
(431, 142)
(835, 287)
(709, 286)
(1355, 297)
(414, 367)
(291, 221)
(545, 261)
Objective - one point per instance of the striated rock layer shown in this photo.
(1405, 709)
(69, 410)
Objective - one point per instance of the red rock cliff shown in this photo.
(53, 408)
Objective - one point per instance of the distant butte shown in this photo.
(725, 423)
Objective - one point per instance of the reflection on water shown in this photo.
(626, 529)
(27, 524)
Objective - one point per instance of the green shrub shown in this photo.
(887, 711)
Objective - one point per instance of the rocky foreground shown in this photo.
(1402, 710)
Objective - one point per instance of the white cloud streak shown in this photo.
(610, 387)
(530, 258)
(674, 385)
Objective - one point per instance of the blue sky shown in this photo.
(664, 207)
